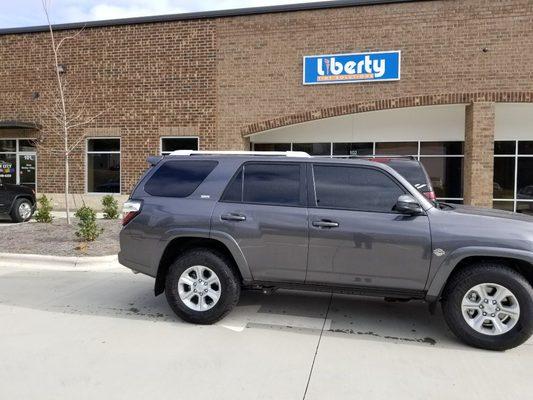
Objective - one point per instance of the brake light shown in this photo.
(130, 210)
(430, 195)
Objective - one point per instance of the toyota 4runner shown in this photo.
(206, 225)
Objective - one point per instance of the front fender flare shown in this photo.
(438, 282)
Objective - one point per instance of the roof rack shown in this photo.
(240, 153)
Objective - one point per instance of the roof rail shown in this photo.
(240, 153)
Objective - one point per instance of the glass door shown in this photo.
(27, 163)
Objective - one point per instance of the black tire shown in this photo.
(230, 289)
(15, 213)
(488, 272)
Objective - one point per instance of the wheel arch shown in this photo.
(518, 260)
(18, 197)
(180, 244)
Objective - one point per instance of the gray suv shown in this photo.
(207, 225)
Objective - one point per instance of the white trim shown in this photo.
(87, 152)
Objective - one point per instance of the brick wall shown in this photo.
(146, 80)
(217, 77)
(479, 154)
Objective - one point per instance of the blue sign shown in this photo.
(350, 68)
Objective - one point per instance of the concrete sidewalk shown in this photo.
(88, 334)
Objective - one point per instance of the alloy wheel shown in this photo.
(24, 211)
(199, 288)
(490, 309)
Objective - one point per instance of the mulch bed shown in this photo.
(58, 239)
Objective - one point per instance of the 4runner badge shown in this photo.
(439, 252)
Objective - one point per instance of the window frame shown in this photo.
(302, 186)
(18, 153)
(312, 187)
(516, 156)
(161, 138)
(87, 152)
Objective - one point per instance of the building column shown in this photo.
(479, 154)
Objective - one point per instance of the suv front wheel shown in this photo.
(489, 305)
(201, 286)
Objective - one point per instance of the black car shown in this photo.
(16, 201)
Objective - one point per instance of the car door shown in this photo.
(355, 236)
(3, 198)
(264, 210)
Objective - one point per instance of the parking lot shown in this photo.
(89, 334)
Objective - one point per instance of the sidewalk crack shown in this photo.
(317, 346)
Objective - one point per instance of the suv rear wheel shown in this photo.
(21, 211)
(490, 306)
(201, 286)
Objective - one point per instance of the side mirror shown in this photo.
(407, 204)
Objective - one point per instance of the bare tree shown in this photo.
(65, 113)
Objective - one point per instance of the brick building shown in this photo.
(463, 100)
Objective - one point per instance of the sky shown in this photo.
(30, 13)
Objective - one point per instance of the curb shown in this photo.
(58, 262)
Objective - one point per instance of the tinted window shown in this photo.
(272, 146)
(446, 175)
(353, 149)
(355, 188)
(505, 147)
(178, 178)
(266, 183)
(441, 148)
(314, 149)
(103, 145)
(234, 190)
(397, 148)
(170, 144)
(103, 173)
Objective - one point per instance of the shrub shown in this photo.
(88, 230)
(44, 209)
(110, 207)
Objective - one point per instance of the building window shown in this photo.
(170, 144)
(442, 160)
(18, 161)
(103, 165)
(513, 176)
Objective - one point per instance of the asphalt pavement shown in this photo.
(101, 334)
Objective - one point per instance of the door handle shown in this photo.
(233, 217)
(324, 223)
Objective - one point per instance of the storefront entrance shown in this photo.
(18, 162)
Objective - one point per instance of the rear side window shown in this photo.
(355, 188)
(266, 183)
(178, 178)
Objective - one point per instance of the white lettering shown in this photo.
(379, 67)
(319, 67)
(336, 66)
(349, 67)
